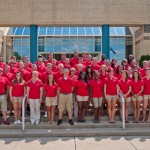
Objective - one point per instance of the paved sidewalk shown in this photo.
(77, 143)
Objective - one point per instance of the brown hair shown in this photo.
(15, 81)
(53, 82)
(139, 77)
(126, 73)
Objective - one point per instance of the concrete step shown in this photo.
(88, 132)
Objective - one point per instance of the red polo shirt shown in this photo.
(146, 86)
(51, 91)
(102, 76)
(3, 84)
(45, 76)
(55, 69)
(25, 74)
(81, 88)
(34, 92)
(17, 89)
(67, 67)
(87, 63)
(101, 63)
(97, 88)
(96, 67)
(41, 69)
(9, 76)
(13, 70)
(143, 72)
(73, 61)
(62, 62)
(50, 61)
(111, 85)
(39, 76)
(2, 65)
(58, 75)
(65, 85)
(124, 86)
(136, 86)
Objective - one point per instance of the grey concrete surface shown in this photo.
(77, 143)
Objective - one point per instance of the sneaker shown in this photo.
(19, 122)
(45, 116)
(71, 122)
(6, 122)
(59, 122)
(16, 122)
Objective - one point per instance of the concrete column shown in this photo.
(105, 41)
(33, 43)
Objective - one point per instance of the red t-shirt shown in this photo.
(146, 86)
(124, 86)
(81, 88)
(41, 69)
(50, 91)
(103, 76)
(87, 63)
(73, 61)
(17, 89)
(25, 74)
(118, 76)
(136, 86)
(9, 76)
(13, 70)
(34, 92)
(65, 85)
(97, 88)
(45, 76)
(111, 85)
(62, 62)
(3, 84)
(101, 63)
(96, 67)
(2, 65)
(143, 72)
(50, 61)
(55, 69)
(58, 75)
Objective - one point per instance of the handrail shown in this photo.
(23, 113)
(123, 111)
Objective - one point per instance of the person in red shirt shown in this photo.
(13, 68)
(50, 89)
(47, 72)
(74, 60)
(67, 63)
(130, 73)
(89, 73)
(84, 56)
(54, 66)
(111, 93)
(89, 60)
(4, 83)
(124, 64)
(135, 63)
(114, 64)
(80, 68)
(143, 70)
(137, 90)
(75, 105)
(25, 58)
(50, 58)
(103, 57)
(34, 97)
(63, 58)
(125, 90)
(2, 64)
(26, 66)
(146, 94)
(80, 61)
(7, 73)
(25, 73)
(65, 89)
(17, 91)
(82, 95)
(59, 74)
(40, 66)
(13, 58)
(96, 86)
(130, 59)
(94, 65)
(119, 72)
(103, 72)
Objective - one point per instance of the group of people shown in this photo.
(71, 84)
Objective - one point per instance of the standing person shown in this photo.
(89, 73)
(103, 72)
(94, 65)
(114, 64)
(63, 58)
(82, 95)
(50, 89)
(34, 97)
(101, 62)
(17, 91)
(124, 64)
(59, 74)
(96, 86)
(7, 74)
(2, 64)
(137, 89)
(146, 93)
(74, 60)
(65, 89)
(130, 59)
(119, 72)
(125, 90)
(111, 92)
(4, 83)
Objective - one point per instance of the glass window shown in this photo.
(112, 31)
(42, 30)
(65, 31)
(81, 31)
(73, 30)
(50, 31)
(26, 31)
(96, 30)
(88, 30)
(58, 30)
(49, 44)
(19, 31)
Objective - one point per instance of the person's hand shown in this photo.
(40, 100)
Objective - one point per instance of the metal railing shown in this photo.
(123, 111)
(23, 112)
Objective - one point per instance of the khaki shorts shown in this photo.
(82, 98)
(146, 97)
(65, 102)
(51, 101)
(110, 98)
(17, 99)
(128, 99)
(97, 102)
(139, 98)
(3, 103)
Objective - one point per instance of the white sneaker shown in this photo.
(19, 122)
(45, 116)
(16, 122)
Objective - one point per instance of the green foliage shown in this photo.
(18, 57)
(143, 57)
